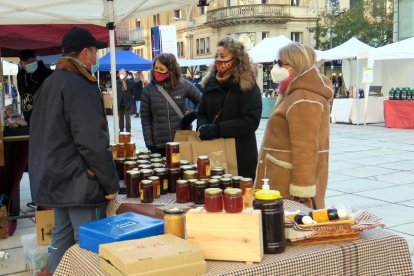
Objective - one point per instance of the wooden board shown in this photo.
(225, 236)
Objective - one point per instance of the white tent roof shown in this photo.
(80, 11)
(353, 48)
(267, 49)
(195, 62)
(9, 69)
(399, 50)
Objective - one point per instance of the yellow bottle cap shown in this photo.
(267, 195)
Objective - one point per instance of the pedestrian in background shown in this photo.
(295, 151)
(139, 86)
(163, 105)
(231, 106)
(125, 89)
(70, 162)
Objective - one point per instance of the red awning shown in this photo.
(44, 39)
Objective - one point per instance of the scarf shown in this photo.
(223, 78)
(124, 84)
(285, 84)
(73, 65)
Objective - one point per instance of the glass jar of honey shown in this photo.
(191, 188)
(190, 174)
(213, 183)
(130, 149)
(225, 183)
(235, 180)
(132, 184)
(114, 149)
(182, 191)
(213, 200)
(119, 164)
(156, 193)
(162, 173)
(129, 165)
(185, 168)
(203, 167)
(124, 137)
(217, 171)
(174, 222)
(173, 175)
(199, 188)
(146, 193)
(120, 150)
(233, 200)
(246, 182)
(145, 152)
(172, 153)
(146, 173)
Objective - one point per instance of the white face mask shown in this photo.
(279, 73)
(121, 76)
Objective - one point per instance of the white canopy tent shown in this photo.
(9, 69)
(195, 62)
(98, 12)
(267, 49)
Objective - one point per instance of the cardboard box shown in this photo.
(107, 98)
(45, 222)
(226, 236)
(126, 226)
(156, 256)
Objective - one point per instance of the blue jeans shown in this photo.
(65, 233)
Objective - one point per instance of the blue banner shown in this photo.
(155, 41)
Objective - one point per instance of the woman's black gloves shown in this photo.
(209, 132)
(188, 119)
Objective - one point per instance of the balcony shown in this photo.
(129, 37)
(248, 14)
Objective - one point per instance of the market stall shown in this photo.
(352, 111)
(399, 114)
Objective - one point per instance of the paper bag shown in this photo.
(222, 152)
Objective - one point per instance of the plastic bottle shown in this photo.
(391, 94)
(326, 215)
(273, 224)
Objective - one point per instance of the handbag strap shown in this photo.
(221, 108)
(170, 100)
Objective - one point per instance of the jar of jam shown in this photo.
(146, 193)
(172, 152)
(174, 222)
(217, 171)
(182, 191)
(236, 181)
(113, 149)
(129, 165)
(199, 188)
(233, 200)
(124, 137)
(191, 188)
(119, 164)
(146, 173)
(120, 150)
(130, 149)
(132, 184)
(173, 175)
(203, 167)
(162, 173)
(155, 155)
(156, 193)
(156, 165)
(184, 162)
(213, 183)
(185, 168)
(246, 182)
(213, 200)
(190, 174)
(225, 183)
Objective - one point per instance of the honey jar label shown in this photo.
(141, 195)
(165, 184)
(175, 158)
(158, 190)
(208, 172)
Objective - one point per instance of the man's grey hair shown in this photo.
(122, 70)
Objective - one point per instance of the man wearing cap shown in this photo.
(30, 77)
(70, 161)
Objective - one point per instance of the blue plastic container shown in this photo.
(126, 226)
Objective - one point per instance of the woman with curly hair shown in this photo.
(160, 120)
(231, 105)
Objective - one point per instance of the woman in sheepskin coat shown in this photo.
(295, 150)
(231, 105)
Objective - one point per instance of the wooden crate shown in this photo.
(225, 236)
(4, 226)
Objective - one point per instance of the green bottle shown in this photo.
(391, 94)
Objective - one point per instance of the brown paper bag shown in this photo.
(222, 152)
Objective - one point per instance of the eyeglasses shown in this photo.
(280, 63)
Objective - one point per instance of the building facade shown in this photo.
(403, 19)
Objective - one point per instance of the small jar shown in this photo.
(184, 162)
(144, 167)
(233, 200)
(172, 152)
(199, 188)
(130, 149)
(236, 181)
(246, 182)
(113, 149)
(155, 160)
(120, 150)
(190, 174)
(225, 183)
(132, 184)
(132, 158)
(217, 171)
(146, 173)
(191, 188)
(185, 168)
(145, 152)
(162, 173)
(156, 193)
(203, 167)
(119, 164)
(129, 165)
(182, 191)
(213, 183)
(155, 155)
(174, 222)
(142, 162)
(173, 175)
(213, 200)
(124, 137)
(156, 166)
(227, 175)
(144, 157)
(146, 192)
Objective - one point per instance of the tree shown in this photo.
(367, 20)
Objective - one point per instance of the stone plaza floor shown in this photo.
(371, 168)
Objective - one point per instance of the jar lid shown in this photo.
(133, 172)
(143, 156)
(213, 191)
(200, 182)
(142, 161)
(181, 182)
(184, 162)
(203, 157)
(120, 159)
(160, 170)
(157, 165)
(217, 169)
(232, 191)
(132, 158)
(156, 160)
(155, 155)
(121, 144)
(186, 167)
(225, 179)
(213, 181)
(174, 170)
(130, 163)
(124, 133)
(174, 211)
(154, 177)
(216, 177)
(267, 195)
(246, 179)
(144, 166)
(228, 175)
(146, 182)
(145, 171)
(131, 143)
(237, 177)
(192, 180)
(172, 144)
(190, 172)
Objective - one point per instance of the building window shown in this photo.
(198, 46)
(228, 3)
(296, 36)
(156, 19)
(264, 35)
(207, 45)
(180, 49)
(203, 46)
(177, 14)
(294, 2)
(203, 10)
(264, 1)
(137, 23)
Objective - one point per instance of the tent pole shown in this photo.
(111, 27)
(357, 93)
